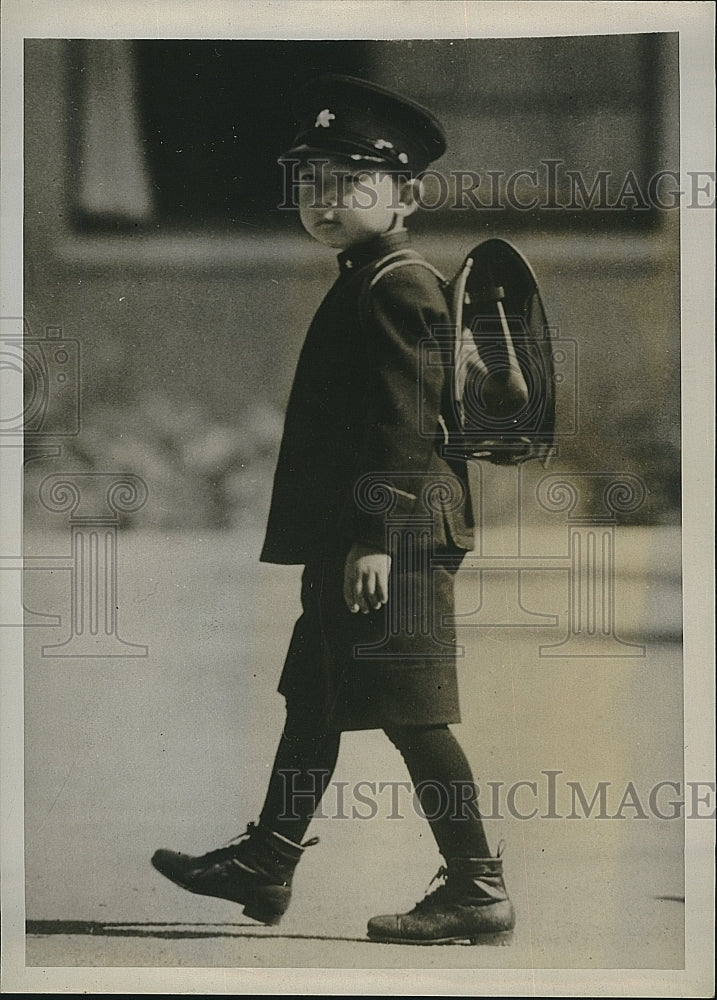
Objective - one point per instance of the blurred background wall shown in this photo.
(153, 237)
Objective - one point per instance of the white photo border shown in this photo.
(407, 19)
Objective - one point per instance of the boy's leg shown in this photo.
(472, 903)
(257, 868)
(304, 763)
(443, 780)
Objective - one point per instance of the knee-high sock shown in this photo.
(444, 783)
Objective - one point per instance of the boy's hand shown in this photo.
(366, 578)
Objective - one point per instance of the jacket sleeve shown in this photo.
(403, 399)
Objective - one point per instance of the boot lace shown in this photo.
(441, 894)
(231, 848)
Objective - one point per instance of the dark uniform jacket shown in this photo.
(363, 403)
(361, 444)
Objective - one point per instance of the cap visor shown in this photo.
(343, 149)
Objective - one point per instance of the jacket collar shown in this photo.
(358, 256)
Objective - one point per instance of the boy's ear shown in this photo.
(409, 193)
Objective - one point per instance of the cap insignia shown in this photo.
(324, 119)
(383, 144)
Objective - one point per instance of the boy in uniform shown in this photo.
(357, 481)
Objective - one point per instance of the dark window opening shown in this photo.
(182, 135)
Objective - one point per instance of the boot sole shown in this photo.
(265, 905)
(269, 917)
(501, 938)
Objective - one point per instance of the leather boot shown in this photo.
(471, 905)
(256, 869)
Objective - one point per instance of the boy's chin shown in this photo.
(339, 240)
(333, 240)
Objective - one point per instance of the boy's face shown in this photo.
(343, 207)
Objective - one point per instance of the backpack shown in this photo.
(500, 394)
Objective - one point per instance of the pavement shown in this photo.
(126, 755)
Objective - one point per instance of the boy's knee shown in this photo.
(301, 725)
(407, 738)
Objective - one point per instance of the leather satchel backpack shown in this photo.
(500, 394)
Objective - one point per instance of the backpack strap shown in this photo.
(400, 258)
